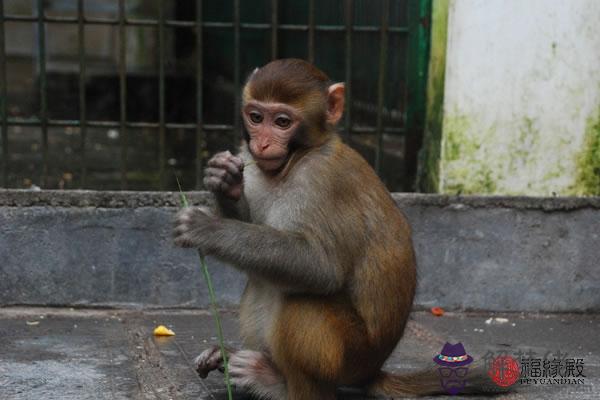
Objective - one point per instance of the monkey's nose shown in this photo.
(264, 146)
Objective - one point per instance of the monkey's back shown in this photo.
(382, 262)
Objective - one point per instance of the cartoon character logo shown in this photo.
(453, 370)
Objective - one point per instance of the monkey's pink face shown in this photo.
(270, 127)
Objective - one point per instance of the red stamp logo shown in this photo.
(504, 371)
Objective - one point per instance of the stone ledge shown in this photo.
(473, 253)
(129, 199)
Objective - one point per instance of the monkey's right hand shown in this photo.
(209, 360)
(224, 175)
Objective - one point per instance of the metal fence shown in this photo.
(414, 70)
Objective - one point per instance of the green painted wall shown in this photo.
(428, 176)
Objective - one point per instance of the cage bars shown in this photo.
(200, 138)
(42, 89)
(236, 66)
(383, 45)
(311, 31)
(274, 28)
(161, 97)
(122, 22)
(82, 110)
(348, 16)
(3, 99)
(123, 92)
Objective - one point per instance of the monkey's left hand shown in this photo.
(195, 228)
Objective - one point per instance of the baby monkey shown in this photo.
(328, 255)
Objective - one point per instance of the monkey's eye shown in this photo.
(283, 122)
(256, 117)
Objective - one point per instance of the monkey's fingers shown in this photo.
(185, 236)
(189, 214)
(237, 161)
(215, 184)
(182, 238)
(226, 164)
(223, 174)
(190, 225)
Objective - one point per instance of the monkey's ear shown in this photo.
(335, 103)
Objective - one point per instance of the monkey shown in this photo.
(328, 254)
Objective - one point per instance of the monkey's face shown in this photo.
(270, 127)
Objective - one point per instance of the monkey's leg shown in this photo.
(304, 387)
(319, 344)
(254, 372)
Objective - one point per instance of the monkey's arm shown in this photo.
(297, 260)
(234, 209)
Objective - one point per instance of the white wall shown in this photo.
(522, 91)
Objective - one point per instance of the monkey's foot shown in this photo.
(254, 372)
(209, 360)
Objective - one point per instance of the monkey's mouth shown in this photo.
(269, 160)
(274, 158)
(270, 163)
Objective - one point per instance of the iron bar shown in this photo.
(155, 125)
(200, 139)
(161, 97)
(236, 66)
(207, 24)
(274, 23)
(416, 66)
(348, 72)
(3, 99)
(123, 92)
(383, 40)
(311, 31)
(82, 109)
(372, 129)
(43, 90)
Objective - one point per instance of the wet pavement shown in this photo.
(52, 353)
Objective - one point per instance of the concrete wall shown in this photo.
(114, 249)
(521, 98)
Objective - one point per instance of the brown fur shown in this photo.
(290, 81)
(294, 82)
(346, 337)
(328, 255)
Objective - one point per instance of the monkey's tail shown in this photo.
(427, 382)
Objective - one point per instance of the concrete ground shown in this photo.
(53, 353)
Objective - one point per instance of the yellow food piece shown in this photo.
(162, 330)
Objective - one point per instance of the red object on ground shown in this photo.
(437, 311)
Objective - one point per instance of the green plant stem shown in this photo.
(217, 318)
(214, 306)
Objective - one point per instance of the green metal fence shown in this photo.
(412, 99)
